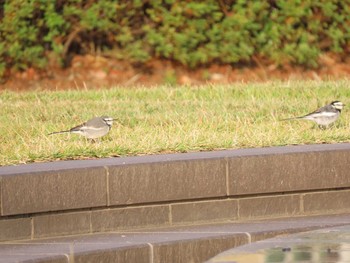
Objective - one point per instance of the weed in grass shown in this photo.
(167, 119)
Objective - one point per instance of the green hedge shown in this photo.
(194, 33)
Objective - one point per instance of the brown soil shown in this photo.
(89, 71)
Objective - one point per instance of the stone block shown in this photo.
(269, 206)
(197, 250)
(136, 254)
(14, 229)
(133, 217)
(61, 224)
(327, 202)
(168, 181)
(288, 172)
(216, 210)
(51, 191)
(29, 251)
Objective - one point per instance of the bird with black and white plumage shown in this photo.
(323, 116)
(91, 129)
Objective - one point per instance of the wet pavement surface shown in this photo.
(329, 245)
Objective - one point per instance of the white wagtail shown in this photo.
(325, 115)
(92, 129)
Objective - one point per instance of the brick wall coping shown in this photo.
(159, 158)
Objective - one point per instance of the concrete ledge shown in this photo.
(177, 244)
(82, 197)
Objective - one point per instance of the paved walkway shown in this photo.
(196, 243)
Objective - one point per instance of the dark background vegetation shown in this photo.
(39, 34)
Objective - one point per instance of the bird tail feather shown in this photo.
(292, 118)
(58, 132)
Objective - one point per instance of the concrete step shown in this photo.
(188, 244)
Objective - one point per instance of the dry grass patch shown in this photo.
(167, 119)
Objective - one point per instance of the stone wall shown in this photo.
(90, 196)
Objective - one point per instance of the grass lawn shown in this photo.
(167, 119)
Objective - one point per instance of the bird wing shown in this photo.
(319, 110)
(74, 129)
(323, 111)
(78, 128)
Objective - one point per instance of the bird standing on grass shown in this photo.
(325, 115)
(92, 129)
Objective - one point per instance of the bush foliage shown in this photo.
(193, 33)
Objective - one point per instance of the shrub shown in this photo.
(193, 33)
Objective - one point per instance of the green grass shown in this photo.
(167, 119)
